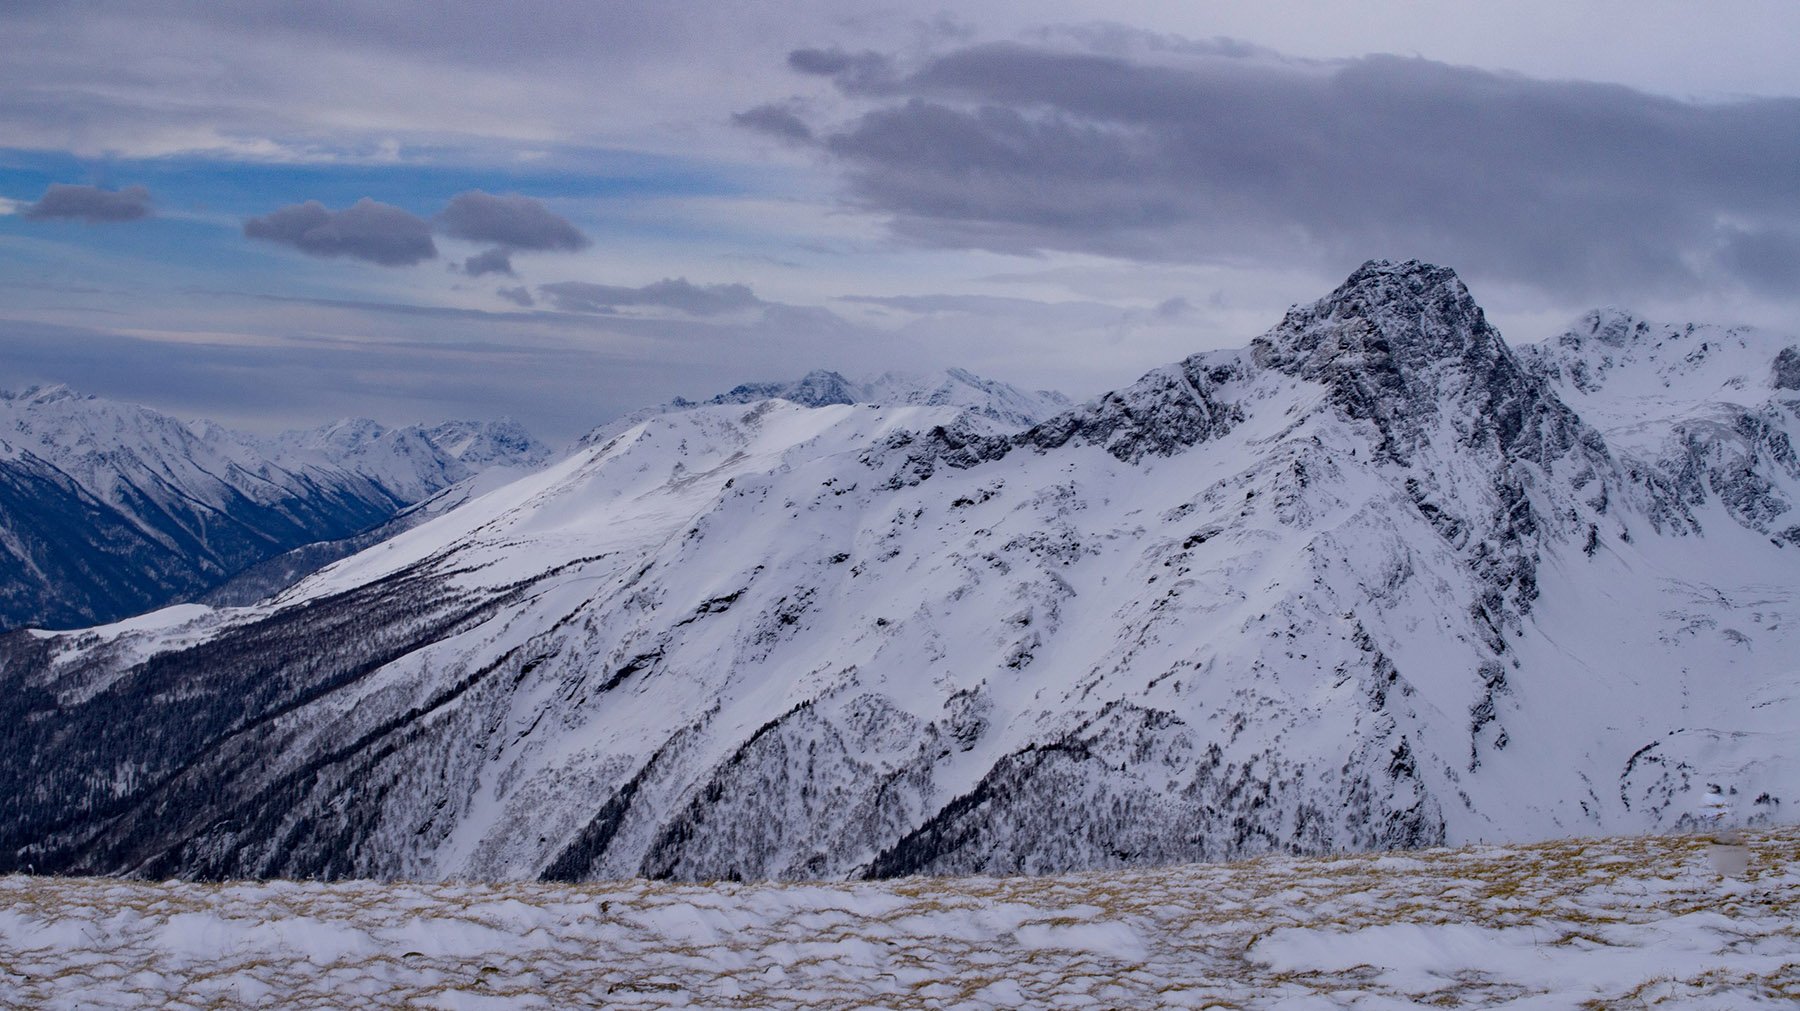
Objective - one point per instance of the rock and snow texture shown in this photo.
(1000, 404)
(1704, 412)
(1374, 581)
(1603, 923)
(109, 509)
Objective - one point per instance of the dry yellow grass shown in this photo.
(1633, 922)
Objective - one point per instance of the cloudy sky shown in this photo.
(278, 214)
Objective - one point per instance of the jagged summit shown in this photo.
(1387, 316)
(1403, 345)
(818, 388)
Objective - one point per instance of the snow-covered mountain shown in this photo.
(109, 509)
(1705, 412)
(1375, 580)
(1004, 404)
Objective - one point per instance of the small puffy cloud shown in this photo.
(518, 296)
(776, 121)
(492, 261)
(677, 293)
(1173, 308)
(62, 202)
(509, 220)
(865, 72)
(366, 230)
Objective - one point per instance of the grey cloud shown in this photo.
(510, 220)
(90, 203)
(491, 261)
(865, 72)
(977, 304)
(1767, 260)
(1576, 188)
(366, 230)
(1059, 316)
(519, 296)
(775, 120)
(1173, 308)
(676, 293)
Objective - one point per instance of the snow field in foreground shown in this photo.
(1627, 922)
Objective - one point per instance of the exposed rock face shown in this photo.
(1405, 347)
(1787, 369)
(1376, 580)
(1698, 414)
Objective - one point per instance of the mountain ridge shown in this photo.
(170, 508)
(1370, 581)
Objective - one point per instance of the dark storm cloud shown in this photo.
(1240, 157)
(676, 293)
(510, 220)
(366, 230)
(90, 203)
(1768, 260)
(491, 261)
(775, 120)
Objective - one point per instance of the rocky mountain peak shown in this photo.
(818, 388)
(1410, 314)
(1400, 344)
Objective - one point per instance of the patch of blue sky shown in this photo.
(195, 239)
(421, 186)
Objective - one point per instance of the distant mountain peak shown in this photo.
(110, 508)
(1002, 404)
(48, 393)
(1610, 325)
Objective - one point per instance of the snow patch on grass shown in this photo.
(1625, 922)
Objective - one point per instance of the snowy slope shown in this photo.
(107, 509)
(1001, 404)
(1707, 412)
(1372, 581)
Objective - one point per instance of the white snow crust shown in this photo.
(1621, 922)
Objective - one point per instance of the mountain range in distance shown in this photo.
(110, 509)
(1377, 579)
